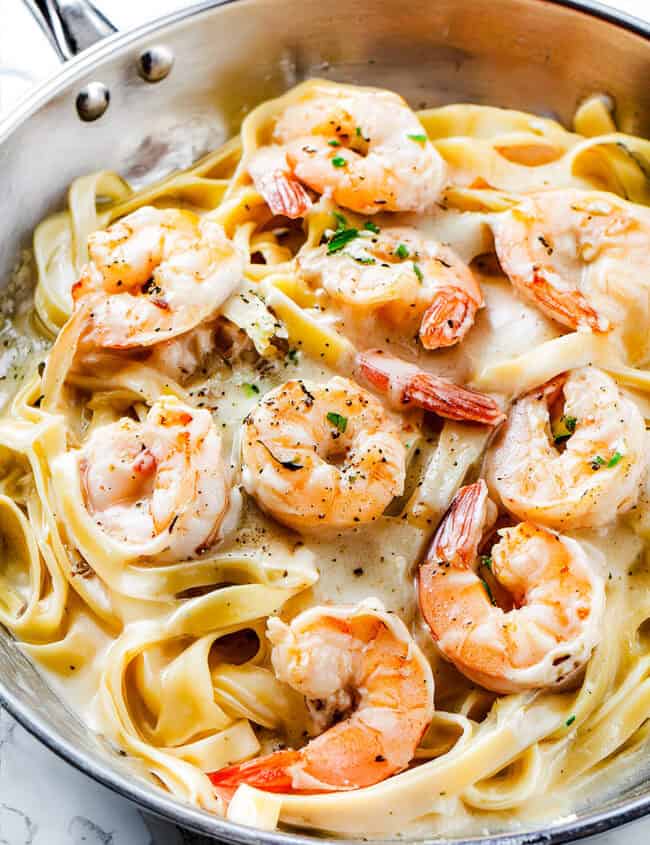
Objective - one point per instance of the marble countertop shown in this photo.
(43, 800)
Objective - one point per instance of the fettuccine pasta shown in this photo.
(237, 407)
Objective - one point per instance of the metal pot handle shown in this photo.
(70, 25)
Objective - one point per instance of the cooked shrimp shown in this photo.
(558, 599)
(363, 147)
(154, 275)
(581, 472)
(158, 485)
(322, 456)
(583, 257)
(412, 282)
(406, 384)
(358, 662)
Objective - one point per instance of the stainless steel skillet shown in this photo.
(538, 55)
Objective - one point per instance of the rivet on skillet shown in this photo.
(92, 101)
(155, 63)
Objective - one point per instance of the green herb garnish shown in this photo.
(486, 560)
(570, 721)
(250, 389)
(339, 161)
(597, 462)
(371, 227)
(418, 272)
(488, 591)
(340, 238)
(338, 420)
(334, 143)
(341, 220)
(358, 130)
(564, 428)
(402, 251)
(292, 355)
(616, 457)
(364, 259)
(421, 139)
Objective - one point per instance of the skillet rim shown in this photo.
(156, 801)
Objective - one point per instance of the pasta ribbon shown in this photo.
(170, 658)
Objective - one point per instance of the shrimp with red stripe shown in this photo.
(583, 258)
(413, 284)
(404, 384)
(363, 147)
(554, 591)
(369, 689)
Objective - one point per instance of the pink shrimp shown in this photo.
(556, 594)
(413, 283)
(355, 661)
(363, 146)
(403, 384)
(583, 257)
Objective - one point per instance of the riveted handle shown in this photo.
(70, 25)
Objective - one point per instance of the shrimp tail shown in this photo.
(452, 401)
(448, 319)
(454, 546)
(568, 307)
(284, 194)
(458, 536)
(271, 773)
(405, 384)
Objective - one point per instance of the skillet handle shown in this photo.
(70, 25)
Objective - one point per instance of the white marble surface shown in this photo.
(44, 801)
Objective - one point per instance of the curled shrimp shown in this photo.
(358, 662)
(406, 384)
(582, 257)
(557, 598)
(153, 275)
(158, 485)
(411, 282)
(364, 147)
(580, 471)
(322, 456)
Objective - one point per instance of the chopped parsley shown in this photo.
(358, 131)
(371, 227)
(338, 420)
(616, 457)
(597, 462)
(421, 139)
(488, 591)
(292, 355)
(334, 143)
(570, 721)
(418, 272)
(341, 220)
(564, 428)
(365, 259)
(341, 238)
(339, 161)
(402, 251)
(250, 389)
(486, 560)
